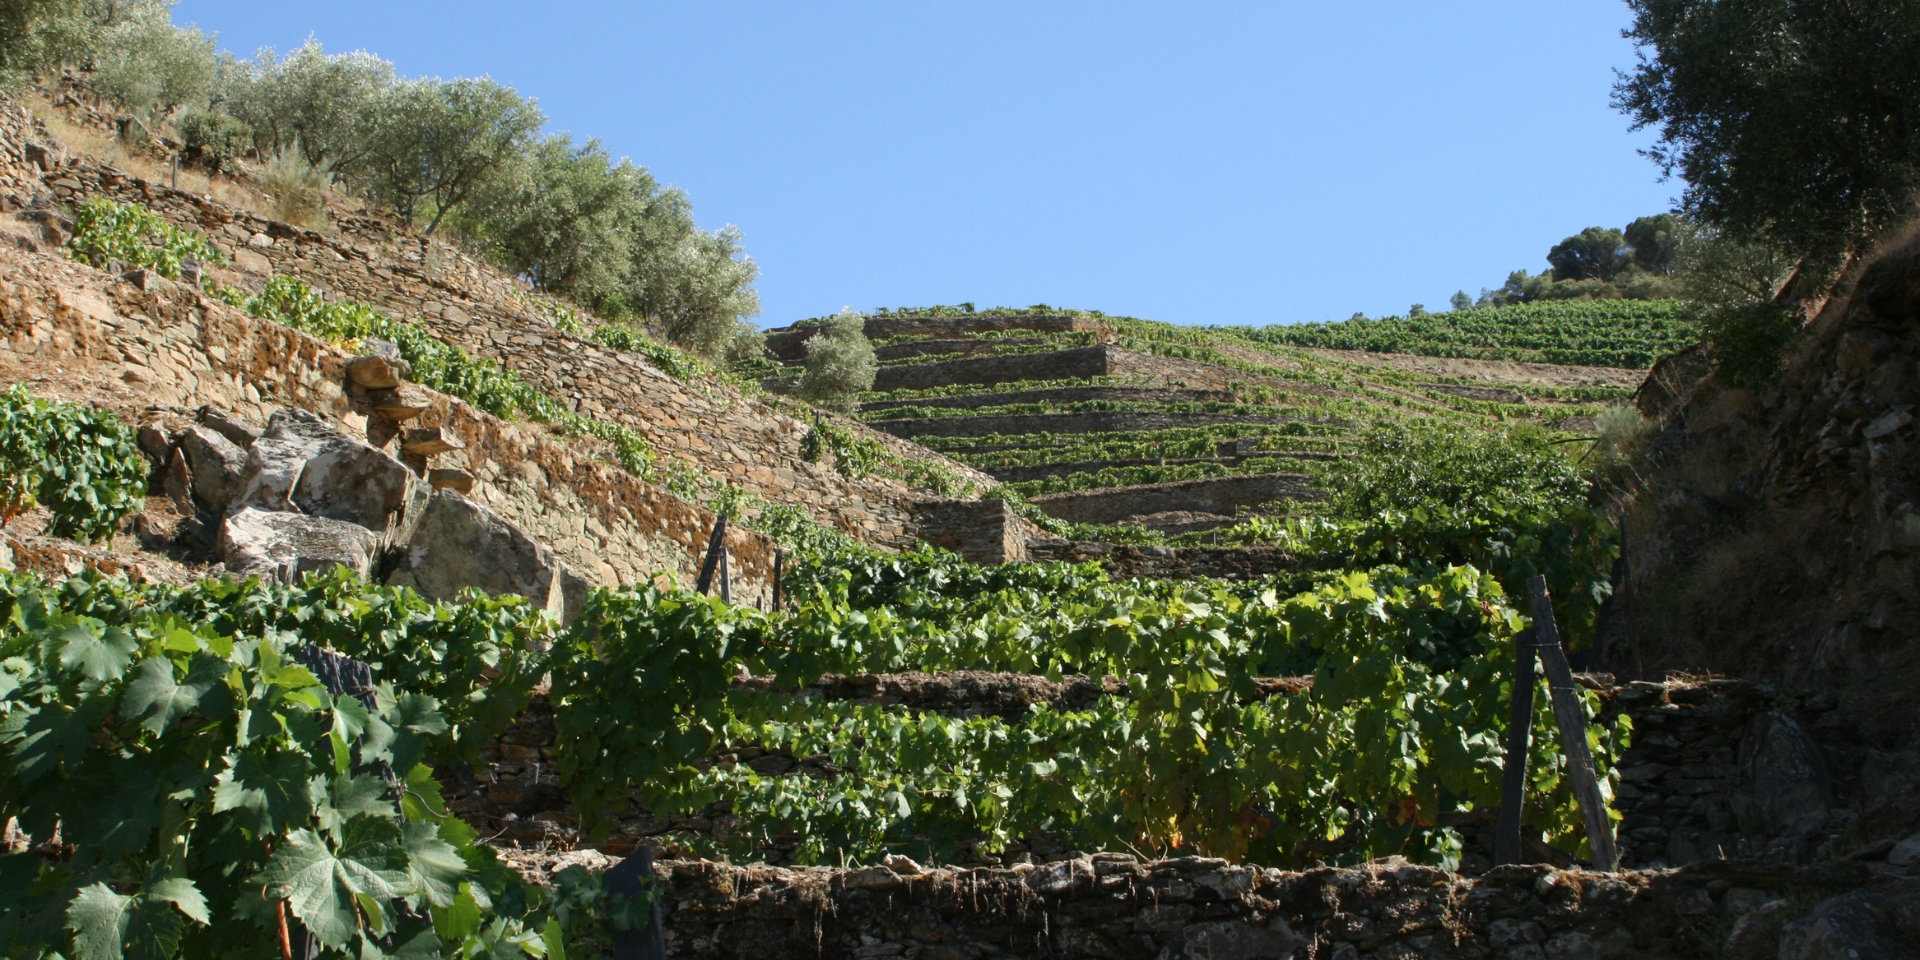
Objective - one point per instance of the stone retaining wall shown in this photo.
(789, 343)
(1166, 563)
(970, 401)
(1052, 365)
(1114, 906)
(465, 302)
(983, 531)
(1096, 421)
(1220, 495)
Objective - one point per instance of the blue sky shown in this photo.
(1192, 162)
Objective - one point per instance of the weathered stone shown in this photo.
(1783, 788)
(176, 481)
(270, 543)
(429, 441)
(276, 460)
(1233, 940)
(399, 405)
(375, 372)
(154, 442)
(349, 480)
(238, 430)
(459, 543)
(217, 466)
(451, 478)
(1875, 923)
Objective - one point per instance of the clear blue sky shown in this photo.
(1191, 162)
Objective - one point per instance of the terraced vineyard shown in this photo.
(1614, 333)
(1123, 430)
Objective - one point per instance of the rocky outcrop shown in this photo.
(458, 544)
(276, 545)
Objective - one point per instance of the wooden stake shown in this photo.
(1573, 728)
(1513, 784)
(715, 545)
(726, 578)
(778, 556)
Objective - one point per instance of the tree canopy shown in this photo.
(1796, 124)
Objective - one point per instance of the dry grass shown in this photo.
(144, 164)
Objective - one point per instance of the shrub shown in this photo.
(1750, 343)
(297, 186)
(147, 61)
(81, 463)
(840, 362)
(215, 139)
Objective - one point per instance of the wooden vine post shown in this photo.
(1513, 784)
(1572, 721)
(716, 547)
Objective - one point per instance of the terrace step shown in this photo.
(1169, 563)
(1092, 421)
(892, 352)
(1219, 495)
(1021, 472)
(789, 343)
(974, 401)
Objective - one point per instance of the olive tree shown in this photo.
(434, 142)
(696, 292)
(1793, 124)
(146, 61)
(328, 105)
(840, 362)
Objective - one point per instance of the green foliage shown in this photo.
(146, 61)
(1612, 333)
(840, 364)
(297, 187)
(858, 456)
(1750, 344)
(1191, 759)
(214, 138)
(204, 782)
(1655, 242)
(1402, 469)
(80, 462)
(105, 232)
(1781, 117)
(1596, 253)
(672, 362)
(432, 143)
(325, 106)
(481, 382)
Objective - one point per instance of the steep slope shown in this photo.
(1774, 534)
(719, 436)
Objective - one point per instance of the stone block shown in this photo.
(377, 372)
(217, 466)
(459, 544)
(276, 460)
(238, 430)
(274, 544)
(429, 441)
(349, 480)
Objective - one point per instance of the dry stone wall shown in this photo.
(1098, 421)
(157, 354)
(1217, 495)
(464, 302)
(1193, 908)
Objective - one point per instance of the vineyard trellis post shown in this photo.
(634, 877)
(1513, 787)
(779, 557)
(1572, 721)
(716, 545)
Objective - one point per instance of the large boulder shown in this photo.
(280, 545)
(1783, 790)
(457, 543)
(277, 459)
(240, 431)
(349, 480)
(216, 464)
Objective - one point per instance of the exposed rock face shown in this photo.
(275, 461)
(275, 544)
(459, 543)
(217, 466)
(349, 480)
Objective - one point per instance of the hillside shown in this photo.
(400, 589)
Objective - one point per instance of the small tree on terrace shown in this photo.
(840, 362)
(696, 292)
(328, 105)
